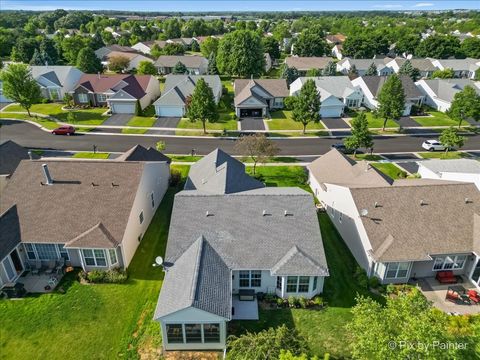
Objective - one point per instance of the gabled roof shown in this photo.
(459, 64)
(200, 279)
(246, 88)
(179, 87)
(56, 74)
(9, 231)
(134, 85)
(420, 64)
(96, 237)
(307, 63)
(190, 61)
(128, 55)
(83, 194)
(337, 168)
(375, 84)
(338, 86)
(219, 173)
(364, 64)
(10, 156)
(296, 262)
(467, 166)
(140, 153)
(445, 89)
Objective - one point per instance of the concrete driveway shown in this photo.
(118, 119)
(335, 123)
(252, 124)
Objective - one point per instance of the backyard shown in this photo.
(115, 321)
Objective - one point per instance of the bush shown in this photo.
(45, 101)
(289, 102)
(361, 277)
(293, 301)
(318, 301)
(302, 302)
(115, 276)
(96, 276)
(175, 177)
(280, 302)
(391, 289)
(374, 282)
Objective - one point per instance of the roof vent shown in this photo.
(422, 202)
(93, 184)
(376, 204)
(363, 212)
(265, 213)
(286, 213)
(208, 213)
(468, 201)
(114, 185)
(30, 155)
(48, 178)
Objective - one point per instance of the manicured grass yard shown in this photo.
(390, 170)
(90, 155)
(282, 120)
(437, 119)
(48, 124)
(367, 157)
(443, 155)
(378, 123)
(224, 122)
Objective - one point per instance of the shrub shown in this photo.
(361, 277)
(82, 275)
(175, 177)
(302, 302)
(318, 301)
(293, 301)
(289, 102)
(391, 289)
(96, 276)
(115, 276)
(44, 100)
(374, 282)
(280, 302)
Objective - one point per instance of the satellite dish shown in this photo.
(364, 212)
(159, 260)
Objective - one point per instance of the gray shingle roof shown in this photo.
(191, 61)
(219, 173)
(375, 83)
(420, 64)
(44, 210)
(307, 63)
(296, 262)
(468, 166)
(200, 279)
(10, 156)
(179, 87)
(9, 231)
(97, 237)
(140, 153)
(57, 74)
(445, 89)
(338, 86)
(364, 64)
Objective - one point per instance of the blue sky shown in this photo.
(234, 5)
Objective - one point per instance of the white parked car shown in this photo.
(433, 145)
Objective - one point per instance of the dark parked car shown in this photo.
(64, 130)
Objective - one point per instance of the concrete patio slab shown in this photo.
(118, 119)
(244, 310)
(38, 283)
(335, 123)
(250, 124)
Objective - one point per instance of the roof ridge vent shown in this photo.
(208, 213)
(287, 213)
(468, 201)
(423, 202)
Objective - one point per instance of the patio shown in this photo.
(436, 292)
(41, 283)
(244, 310)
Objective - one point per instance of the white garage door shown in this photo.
(128, 108)
(169, 111)
(327, 112)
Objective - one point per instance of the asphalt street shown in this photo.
(30, 136)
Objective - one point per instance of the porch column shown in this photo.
(81, 259)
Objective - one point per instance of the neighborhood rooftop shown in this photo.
(307, 63)
(469, 166)
(375, 83)
(140, 153)
(190, 61)
(135, 85)
(273, 87)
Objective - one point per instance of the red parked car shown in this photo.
(64, 130)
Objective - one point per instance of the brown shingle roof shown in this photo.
(410, 222)
(307, 63)
(136, 85)
(71, 206)
(10, 156)
(98, 237)
(274, 87)
(140, 153)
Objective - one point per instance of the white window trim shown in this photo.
(101, 97)
(34, 246)
(398, 269)
(110, 257)
(94, 258)
(184, 333)
(454, 261)
(249, 279)
(83, 98)
(297, 285)
(141, 217)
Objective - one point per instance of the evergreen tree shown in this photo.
(408, 69)
(313, 72)
(49, 51)
(212, 64)
(391, 99)
(88, 62)
(289, 73)
(36, 58)
(307, 104)
(97, 41)
(372, 70)
(138, 109)
(195, 47)
(330, 69)
(202, 106)
(361, 136)
(179, 68)
(353, 72)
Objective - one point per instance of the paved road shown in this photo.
(30, 136)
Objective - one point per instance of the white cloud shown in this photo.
(424, 5)
(388, 6)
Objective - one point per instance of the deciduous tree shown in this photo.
(465, 105)
(443, 74)
(88, 62)
(361, 136)
(208, 46)
(451, 139)
(257, 147)
(307, 104)
(289, 73)
(202, 106)
(146, 68)
(439, 47)
(118, 63)
(310, 43)
(391, 99)
(271, 46)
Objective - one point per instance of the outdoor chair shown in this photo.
(474, 296)
(50, 266)
(36, 267)
(60, 266)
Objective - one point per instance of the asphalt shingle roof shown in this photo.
(445, 89)
(134, 85)
(190, 61)
(140, 153)
(10, 156)
(375, 84)
(468, 166)
(9, 231)
(307, 63)
(245, 88)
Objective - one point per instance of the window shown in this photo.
(140, 217)
(292, 283)
(174, 333)
(303, 283)
(449, 262)
(252, 278)
(9, 269)
(94, 257)
(211, 333)
(83, 98)
(397, 270)
(101, 97)
(315, 280)
(279, 282)
(193, 333)
(351, 103)
(30, 252)
(46, 251)
(152, 199)
(63, 252)
(54, 94)
(112, 253)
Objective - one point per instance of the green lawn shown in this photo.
(282, 120)
(437, 119)
(90, 155)
(139, 121)
(443, 155)
(281, 175)
(390, 170)
(49, 124)
(367, 157)
(224, 122)
(92, 116)
(378, 123)
(184, 158)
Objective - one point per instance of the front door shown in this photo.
(17, 263)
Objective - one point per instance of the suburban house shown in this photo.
(93, 214)
(56, 81)
(336, 93)
(466, 170)
(303, 64)
(10, 156)
(105, 50)
(196, 65)
(396, 229)
(462, 68)
(371, 86)
(439, 93)
(3, 98)
(362, 65)
(215, 267)
(268, 62)
(178, 88)
(425, 66)
(255, 97)
(134, 59)
(146, 46)
(119, 92)
(337, 51)
(185, 41)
